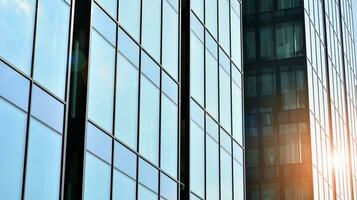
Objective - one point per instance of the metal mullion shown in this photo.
(204, 102)
(160, 98)
(29, 104)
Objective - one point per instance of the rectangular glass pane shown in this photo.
(226, 175)
(151, 27)
(124, 187)
(129, 17)
(224, 33)
(212, 169)
(212, 84)
(197, 159)
(197, 69)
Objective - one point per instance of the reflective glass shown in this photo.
(149, 120)
(110, 6)
(50, 65)
(146, 194)
(14, 87)
(12, 148)
(148, 175)
(211, 18)
(17, 27)
(43, 169)
(237, 113)
(212, 169)
(236, 32)
(284, 4)
(97, 178)
(127, 102)
(197, 69)
(168, 187)
(122, 154)
(225, 98)
(169, 138)
(197, 7)
(238, 181)
(226, 175)
(224, 38)
(151, 27)
(124, 187)
(129, 17)
(99, 143)
(249, 45)
(170, 40)
(102, 23)
(41, 103)
(197, 159)
(101, 82)
(212, 83)
(266, 42)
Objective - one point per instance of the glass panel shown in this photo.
(266, 43)
(17, 28)
(197, 159)
(151, 27)
(146, 194)
(101, 86)
(237, 113)
(197, 69)
(52, 45)
(211, 18)
(14, 87)
(170, 40)
(110, 6)
(12, 148)
(212, 81)
(124, 187)
(226, 175)
(149, 120)
(212, 170)
(129, 17)
(126, 118)
(249, 45)
(238, 181)
(224, 25)
(168, 188)
(43, 170)
(288, 38)
(289, 144)
(97, 178)
(99, 143)
(42, 103)
(265, 5)
(197, 7)
(148, 175)
(104, 24)
(284, 4)
(169, 138)
(249, 7)
(123, 154)
(236, 32)
(225, 98)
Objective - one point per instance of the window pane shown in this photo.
(14, 87)
(129, 17)
(197, 69)
(17, 27)
(170, 40)
(249, 7)
(149, 120)
(123, 154)
(212, 83)
(124, 187)
(212, 171)
(226, 175)
(12, 148)
(288, 38)
(249, 45)
(148, 175)
(266, 43)
(236, 32)
(168, 188)
(169, 139)
(43, 170)
(211, 18)
(225, 99)
(97, 178)
(265, 5)
(224, 25)
(197, 7)
(126, 102)
(110, 6)
(52, 45)
(41, 103)
(197, 159)
(101, 86)
(289, 144)
(238, 181)
(146, 194)
(151, 27)
(99, 143)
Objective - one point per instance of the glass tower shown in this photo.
(121, 99)
(300, 102)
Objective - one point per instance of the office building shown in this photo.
(300, 99)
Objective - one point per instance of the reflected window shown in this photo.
(226, 175)
(249, 7)
(288, 144)
(288, 39)
(101, 82)
(170, 45)
(151, 27)
(238, 175)
(129, 17)
(265, 5)
(198, 6)
(50, 67)
(148, 176)
(43, 169)
(285, 4)
(127, 91)
(249, 45)
(12, 148)
(266, 43)
(225, 92)
(17, 27)
(168, 188)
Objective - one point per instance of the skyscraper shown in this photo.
(300, 101)
(121, 99)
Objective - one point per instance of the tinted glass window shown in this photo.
(266, 43)
(110, 6)
(197, 159)
(168, 188)
(129, 16)
(99, 143)
(12, 148)
(236, 32)
(43, 170)
(124, 187)
(225, 96)
(249, 45)
(17, 27)
(101, 82)
(151, 27)
(148, 175)
(226, 175)
(224, 36)
(146, 194)
(211, 19)
(212, 169)
(197, 7)
(52, 45)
